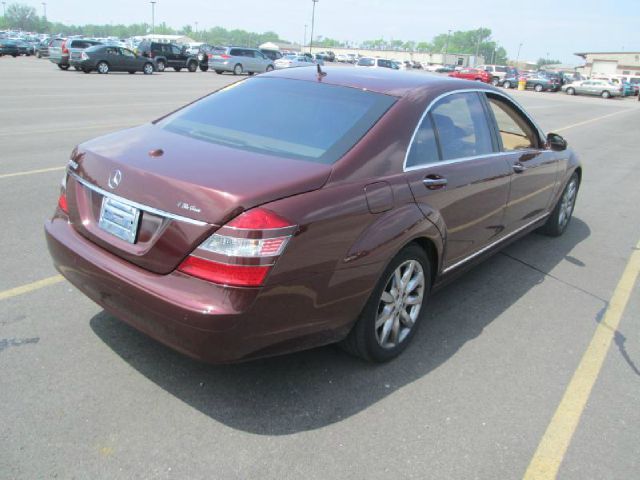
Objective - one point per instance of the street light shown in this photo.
(153, 16)
(304, 39)
(446, 47)
(313, 19)
(4, 9)
(196, 27)
(44, 6)
(518, 56)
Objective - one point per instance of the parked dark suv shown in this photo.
(172, 55)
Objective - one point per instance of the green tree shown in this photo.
(545, 61)
(23, 17)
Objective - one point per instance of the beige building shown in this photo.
(610, 63)
(462, 59)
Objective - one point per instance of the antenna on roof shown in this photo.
(320, 72)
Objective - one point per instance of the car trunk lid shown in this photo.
(182, 190)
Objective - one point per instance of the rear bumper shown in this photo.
(199, 319)
(204, 321)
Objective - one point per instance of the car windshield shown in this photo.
(295, 119)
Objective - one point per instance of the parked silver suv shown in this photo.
(65, 52)
(240, 60)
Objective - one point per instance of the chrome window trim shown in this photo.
(462, 159)
(137, 205)
(493, 244)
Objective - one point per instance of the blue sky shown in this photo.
(559, 27)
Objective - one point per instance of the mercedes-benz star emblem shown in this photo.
(114, 179)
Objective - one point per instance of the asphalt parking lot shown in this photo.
(83, 395)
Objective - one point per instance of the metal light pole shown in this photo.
(44, 6)
(478, 46)
(446, 47)
(518, 56)
(304, 39)
(313, 20)
(4, 9)
(153, 16)
(196, 27)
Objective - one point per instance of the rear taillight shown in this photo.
(226, 57)
(242, 252)
(62, 201)
(209, 56)
(84, 56)
(64, 47)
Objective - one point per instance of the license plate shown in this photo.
(119, 219)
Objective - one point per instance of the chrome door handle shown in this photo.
(519, 168)
(434, 183)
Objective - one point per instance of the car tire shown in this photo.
(204, 68)
(378, 340)
(538, 88)
(250, 73)
(219, 72)
(132, 72)
(237, 70)
(571, 91)
(160, 65)
(102, 68)
(147, 69)
(61, 67)
(269, 68)
(507, 84)
(77, 69)
(605, 94)
(86, 70)
(495, 81)
(192, 66)
(177, 69)
(561, 215)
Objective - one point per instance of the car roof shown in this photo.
(383, 80)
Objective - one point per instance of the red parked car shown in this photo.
(472, 74)
(295, 209)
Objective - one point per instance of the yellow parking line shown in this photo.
(30, 287)
(31, 172)
(591, 120)
(553, 446)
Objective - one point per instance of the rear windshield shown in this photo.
(291, 118)
(501, 69)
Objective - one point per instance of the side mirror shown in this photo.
(556, 142)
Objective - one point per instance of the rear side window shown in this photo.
(235, 52)
(461, 126)
(301, 120)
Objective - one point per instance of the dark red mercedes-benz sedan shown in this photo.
(301, 208)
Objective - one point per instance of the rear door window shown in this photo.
(461, 126)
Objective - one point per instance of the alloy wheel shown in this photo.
(400, 304)
(567, 203)
(103, 68)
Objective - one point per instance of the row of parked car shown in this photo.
(543, 81)
(89, 55)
